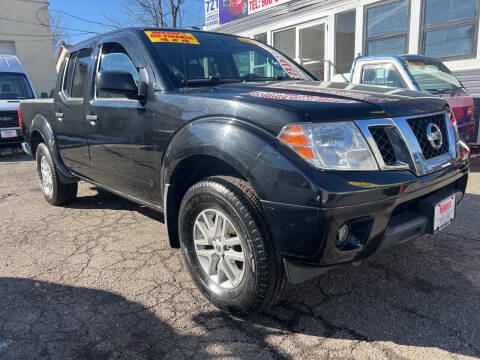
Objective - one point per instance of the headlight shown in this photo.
(334, 146)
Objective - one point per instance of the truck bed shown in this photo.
(31, 108)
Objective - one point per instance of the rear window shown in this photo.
(14, 86)
(382, 74)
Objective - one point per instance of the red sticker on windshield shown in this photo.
(172, 37)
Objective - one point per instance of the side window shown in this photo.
(384, 75)
(115, 57)
(67, 80)
(80, 74)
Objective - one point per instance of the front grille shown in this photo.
(384, 145)
(419, 128)
(8, 119)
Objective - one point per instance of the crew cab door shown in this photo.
(117, 125)
(69, 111)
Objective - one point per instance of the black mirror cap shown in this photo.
(117, 82)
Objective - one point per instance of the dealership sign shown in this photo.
(211, 13)
(259, 5)
(223, 11)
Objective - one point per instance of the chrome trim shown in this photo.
(417, 163)
(26, 148)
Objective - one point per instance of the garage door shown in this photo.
(7, 48)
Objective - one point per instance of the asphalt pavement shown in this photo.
(97, 280)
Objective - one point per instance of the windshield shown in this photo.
(14, 86)
(433, 77)
(198, 57)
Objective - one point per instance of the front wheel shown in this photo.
(54, 190)
(227, 247)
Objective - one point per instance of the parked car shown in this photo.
(420, 73)
(15, 85)
(262, 173)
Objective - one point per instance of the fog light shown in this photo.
(343, 235)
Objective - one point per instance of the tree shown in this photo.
(57, 28)
(157, 13)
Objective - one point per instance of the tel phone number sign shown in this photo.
(259, 5)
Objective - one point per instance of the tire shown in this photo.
(260, 279)
(54, 190)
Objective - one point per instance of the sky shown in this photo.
(95, 10)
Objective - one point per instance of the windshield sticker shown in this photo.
(172, 37)
(415, 63)
(342, 93)
(247, 40)
(293, 71)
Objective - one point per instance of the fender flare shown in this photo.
(42, 125)
(252, 151)
(232, 141)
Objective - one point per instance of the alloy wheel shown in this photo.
(219, 248)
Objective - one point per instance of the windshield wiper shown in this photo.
(210, 80)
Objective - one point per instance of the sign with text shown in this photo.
(219, 12)
(212, 17)
(259, 5)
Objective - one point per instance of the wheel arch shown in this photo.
(41, 131)
(205, 148)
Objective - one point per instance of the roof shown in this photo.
(397, 57)
(10, 63)
(140, 30)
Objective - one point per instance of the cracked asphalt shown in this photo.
(97, 280)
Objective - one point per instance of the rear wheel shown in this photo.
(227, 247)
(54, 190)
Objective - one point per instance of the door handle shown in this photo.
(59, 116)
(92, 118)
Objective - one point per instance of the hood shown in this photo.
(322, 101)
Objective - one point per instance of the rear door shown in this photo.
(117, 126)
(69, 112)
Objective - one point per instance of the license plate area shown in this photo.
(8, 134)
(439, 208)
(444, 213)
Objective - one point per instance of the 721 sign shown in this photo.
(211, 13)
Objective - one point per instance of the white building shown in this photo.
(25, 32)
(321, 33)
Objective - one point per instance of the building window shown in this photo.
(285, 42)
(344, 41)
(261, 37)
(450, 28)
(312, 49)
(386, 29)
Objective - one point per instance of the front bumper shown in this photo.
(380, 216)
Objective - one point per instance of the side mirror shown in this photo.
(117, 82)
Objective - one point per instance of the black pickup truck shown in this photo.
(264, 174)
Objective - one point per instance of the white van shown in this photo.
(15, 85)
